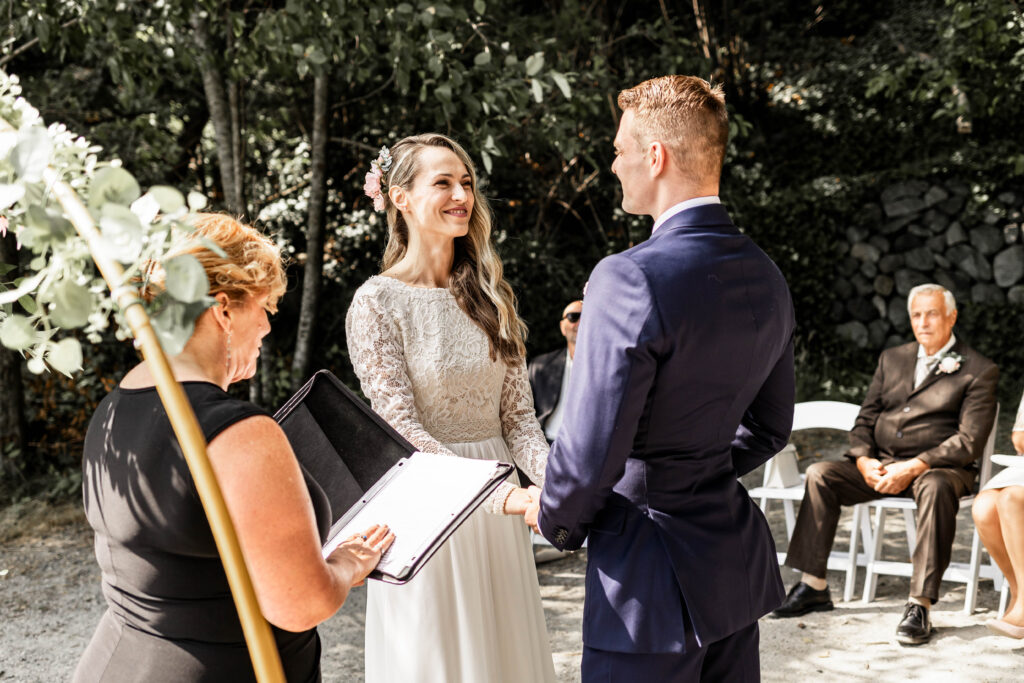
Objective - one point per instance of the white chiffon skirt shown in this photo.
(472, 615)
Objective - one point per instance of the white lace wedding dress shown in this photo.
(473, 613)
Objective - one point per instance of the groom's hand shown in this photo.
(532, 508)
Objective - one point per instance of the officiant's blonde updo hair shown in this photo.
(249, 266)
(477, 278)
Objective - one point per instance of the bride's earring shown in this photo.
(227, 361)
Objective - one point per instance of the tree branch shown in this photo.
(32, 43)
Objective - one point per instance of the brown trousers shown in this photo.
(832, 484)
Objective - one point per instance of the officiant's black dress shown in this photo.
(170, 615)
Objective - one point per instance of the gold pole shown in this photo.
(266, 660)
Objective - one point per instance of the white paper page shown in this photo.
(417, 503)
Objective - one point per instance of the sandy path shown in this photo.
(50, 603)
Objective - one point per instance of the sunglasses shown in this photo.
(573, 317)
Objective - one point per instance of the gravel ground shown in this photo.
(50, 602)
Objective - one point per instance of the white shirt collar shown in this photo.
(682, 206)
(947, 347)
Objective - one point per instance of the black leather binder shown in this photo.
(352, 453)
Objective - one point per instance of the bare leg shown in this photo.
(985, 511)
(1011, 520)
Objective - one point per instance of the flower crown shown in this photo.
(375, 178)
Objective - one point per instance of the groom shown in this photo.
(683, 381)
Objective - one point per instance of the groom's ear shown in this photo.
(657, 157)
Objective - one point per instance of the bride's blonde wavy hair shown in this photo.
(477, 278)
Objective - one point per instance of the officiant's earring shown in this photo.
(227, 361)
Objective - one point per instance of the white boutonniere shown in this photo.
(949, 363)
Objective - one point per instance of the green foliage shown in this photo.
(828, 103)
(60, 290)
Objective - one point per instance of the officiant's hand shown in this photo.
(533, 509)
(362, 552)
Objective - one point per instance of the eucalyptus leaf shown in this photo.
(8, 141)
(175, 322)
(43, 227)
(113, 184)
(145, 208)
(65, 356)
(479, 6)
(122, 232)
(488, 163)
(196, 201)
(72, 305)
(186, 279)
(170, 200)
(482, 58)
(32, 154)
(16, 332)
(9, 194)
(6, 268)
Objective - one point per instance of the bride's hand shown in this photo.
(362, 552)
(520, 499)
(533, 509)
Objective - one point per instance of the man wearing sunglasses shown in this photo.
(549, 379)
(549, 374)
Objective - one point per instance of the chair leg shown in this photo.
(971, 594)
(790, 518)
(851, 567)
(870, 577)
(1004, 597)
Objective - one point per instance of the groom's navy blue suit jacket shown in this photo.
(682, 380)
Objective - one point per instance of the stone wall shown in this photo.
(926, 232)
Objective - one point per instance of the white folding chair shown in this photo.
(962, 572)
(816, 415)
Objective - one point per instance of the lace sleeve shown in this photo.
(378, 357)
(519, 424)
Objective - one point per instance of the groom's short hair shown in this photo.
(687, 114)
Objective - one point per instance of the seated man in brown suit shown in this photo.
(923, 423)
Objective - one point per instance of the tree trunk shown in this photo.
(12, 403)
(237, 161)
(220, 112)
(313, 272)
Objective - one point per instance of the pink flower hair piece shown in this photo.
(374, 183)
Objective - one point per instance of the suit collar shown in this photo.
(699, 216)
(683, 206)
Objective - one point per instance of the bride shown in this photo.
(438, 348)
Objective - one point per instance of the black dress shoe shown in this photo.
(803, 599)
(915, 628)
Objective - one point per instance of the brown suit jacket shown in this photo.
(944, 422)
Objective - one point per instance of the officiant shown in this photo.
(170, 615)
